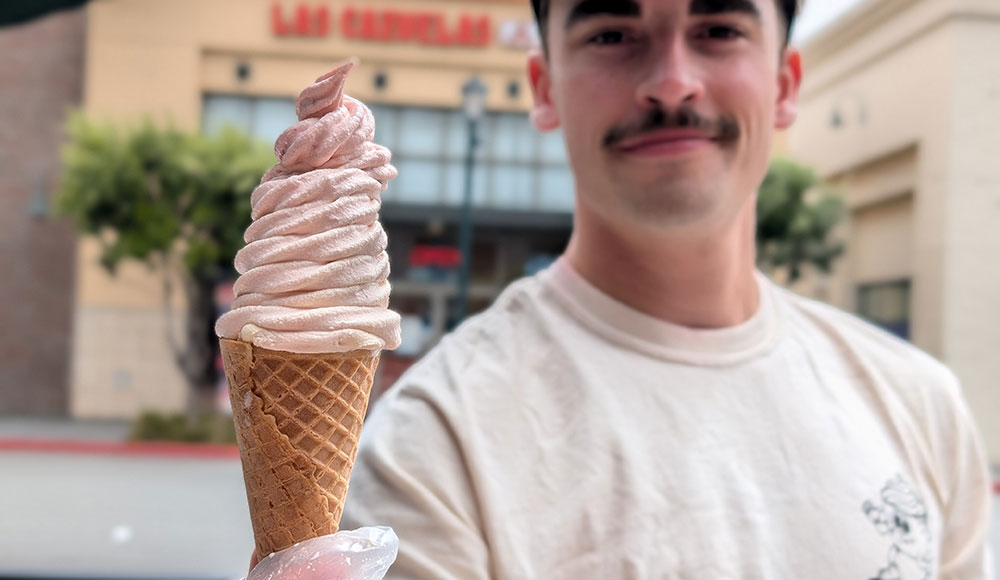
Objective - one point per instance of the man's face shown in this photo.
(667, 106)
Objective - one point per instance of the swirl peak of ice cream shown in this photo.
(314, 271)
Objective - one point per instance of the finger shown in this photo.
(254, 560)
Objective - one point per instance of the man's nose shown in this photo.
(672, 79)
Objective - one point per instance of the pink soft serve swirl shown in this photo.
(314, 271)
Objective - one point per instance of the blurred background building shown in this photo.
(41, 76)
(900, 109)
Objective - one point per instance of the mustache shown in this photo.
(722, 128)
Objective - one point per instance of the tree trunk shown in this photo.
(201, 343)
(196, 350)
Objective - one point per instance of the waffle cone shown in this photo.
(298, 418)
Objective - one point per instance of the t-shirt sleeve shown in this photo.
(965, 552)
(410, 475)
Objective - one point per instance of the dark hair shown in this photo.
(789, 9)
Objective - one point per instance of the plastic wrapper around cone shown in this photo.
(298, 418)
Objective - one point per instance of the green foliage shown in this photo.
(150, 190)
(163, 196)
(795, 218)
(206, 428)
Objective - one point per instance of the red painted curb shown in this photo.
(130, 448)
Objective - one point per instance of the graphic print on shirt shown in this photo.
(902, 515)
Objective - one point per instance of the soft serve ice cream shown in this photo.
(302, 343)
(314, 272)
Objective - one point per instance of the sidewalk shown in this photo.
(35, 435)
(107, 514)
(62, 429)
(134, 505)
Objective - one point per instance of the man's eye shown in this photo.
(720, 33)
(608, 37)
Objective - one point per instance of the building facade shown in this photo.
(900, 110)
(202, 65)
(41, 80)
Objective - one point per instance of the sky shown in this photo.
(818, 14)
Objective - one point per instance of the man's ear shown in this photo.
(789, 81)
(543, 112)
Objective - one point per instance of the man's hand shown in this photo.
(363, 554)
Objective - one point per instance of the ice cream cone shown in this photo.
(298, 418)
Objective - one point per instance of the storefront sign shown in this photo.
(382, 25)
(518, 34)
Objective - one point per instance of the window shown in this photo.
(260, 117)
(516, 167)
(887, 305)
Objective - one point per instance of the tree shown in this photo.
(171, 199)
(795, 219)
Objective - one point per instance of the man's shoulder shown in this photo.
(918, 394)
(897, 360)
(489, 344)
(511, 320)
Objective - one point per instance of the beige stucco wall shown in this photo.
(971, 314)
(122, 362)
(158, 59)
(917, 87)
(884, 99)
(150, 57)
(885, 233)
(878, 195)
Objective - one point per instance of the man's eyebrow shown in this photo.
(709, 7)
(589, 8)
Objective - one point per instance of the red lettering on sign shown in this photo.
(420, 24)
(485, 31)
(396, 26)
(433, 29)
(349, 26)
(306, 22)
(474, 31)
(442, 36)
(278, 24)
(391, 26)
(323, 22)
(466, 35)
(368, 25)
(302, 20)
(406, 29)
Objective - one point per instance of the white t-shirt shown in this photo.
(564, 435)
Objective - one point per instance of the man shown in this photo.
(651, 406)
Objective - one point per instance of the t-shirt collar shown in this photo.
(655, 337)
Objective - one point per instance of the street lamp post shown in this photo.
(474, 106)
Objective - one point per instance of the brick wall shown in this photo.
(41, 78)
